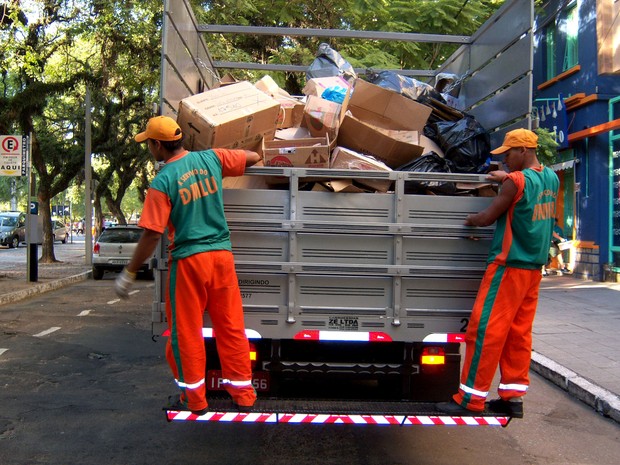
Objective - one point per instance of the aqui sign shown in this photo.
(13, 151)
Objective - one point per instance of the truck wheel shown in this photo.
(64, 239)
(97, 273)
(14, 242)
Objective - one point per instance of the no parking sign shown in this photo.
(13, 155)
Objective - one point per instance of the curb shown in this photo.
(603, 401)
(41, 288)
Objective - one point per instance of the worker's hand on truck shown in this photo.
(123, 283)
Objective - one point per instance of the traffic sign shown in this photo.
(13, 155)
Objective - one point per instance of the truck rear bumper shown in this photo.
(300, 411)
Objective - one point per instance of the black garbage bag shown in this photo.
(429, 163)
(409, 87)
(464, 142)
(329, 62)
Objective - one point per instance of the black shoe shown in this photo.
(175, 403)
(505, 407)
(565, 270)
(454, 409)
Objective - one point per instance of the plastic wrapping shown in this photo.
(404, 85)
(464, 142)
(429, 163)
(329, 62)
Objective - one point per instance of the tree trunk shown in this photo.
(47, 254)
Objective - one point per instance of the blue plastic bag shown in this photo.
(335, 94)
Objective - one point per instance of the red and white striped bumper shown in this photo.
(348, 419)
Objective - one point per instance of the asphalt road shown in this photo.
(81, 382)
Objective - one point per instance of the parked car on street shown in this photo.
(60, 232)
(114, 248)
(12, 228)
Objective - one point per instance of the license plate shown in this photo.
(260, 380)
(119, 262)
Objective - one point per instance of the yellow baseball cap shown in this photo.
(160, 128)
(517, 138)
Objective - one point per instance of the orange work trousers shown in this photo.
(207, 281)
(499, 332)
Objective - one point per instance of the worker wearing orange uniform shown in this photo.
(500, 327)
(186, 198)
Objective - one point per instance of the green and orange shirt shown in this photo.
(186, 197)
(523, 233)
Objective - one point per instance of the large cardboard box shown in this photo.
(373, 110)
(322, 117)
(307, 153)
(346, 159)
(235, 116)
(317, 86)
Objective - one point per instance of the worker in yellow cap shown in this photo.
(186, 198)
(500, 327)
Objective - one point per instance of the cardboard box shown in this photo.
(346, 159)
(317, 86)
(267, 85)
(235, 116)
(291, 113)
(343, 185)
(293, 133)
(306, 153)
(322, 117)
(371, 111)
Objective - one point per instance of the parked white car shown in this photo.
(60, 232)
(114, 248)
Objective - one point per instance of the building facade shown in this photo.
(576, 94)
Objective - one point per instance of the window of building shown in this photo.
(550, 51)
(571, 33)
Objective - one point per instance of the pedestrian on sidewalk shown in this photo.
(186, 197)
(555, 251)
(500, 326)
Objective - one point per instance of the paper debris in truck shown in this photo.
(317, 86)
(235, 116)
(322, 117)
(347, 159)
(369, 112)
(307, 153)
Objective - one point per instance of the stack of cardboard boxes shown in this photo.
(372, 129)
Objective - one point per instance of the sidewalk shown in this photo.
(576, 343)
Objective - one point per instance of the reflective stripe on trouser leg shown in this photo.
(185, 351)
(515, 360)
(474, 387)
(225, 309)
(498, 305)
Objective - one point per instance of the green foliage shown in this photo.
(547, 150)
(456, 17)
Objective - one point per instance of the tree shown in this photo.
(34, 91)
(415, 16)
(49, 54)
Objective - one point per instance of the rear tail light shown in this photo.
(253, 355)
(96, 248)
(433, 356)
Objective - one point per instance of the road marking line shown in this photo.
(134, 292)
(47, 331)
(112, 302)
(3, 351)
(84, 312)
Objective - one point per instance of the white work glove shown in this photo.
(123, 283)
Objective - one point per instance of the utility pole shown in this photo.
(88, 205)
